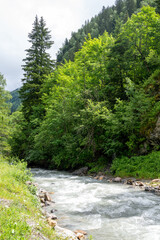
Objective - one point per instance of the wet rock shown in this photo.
(129, 181)
(138, 183)
(53, 210)
(117, 179)
(96, 177)
(155, 180)
(80, 231)
(65, 233)
(47, 203)
(80, 236)
(101, 178)
(47, 197)
(42, 205)
(51, 222)
(147, 189)
(81, 172)
(42, 200)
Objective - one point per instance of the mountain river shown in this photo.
(107, 211)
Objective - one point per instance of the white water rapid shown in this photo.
(106, 211)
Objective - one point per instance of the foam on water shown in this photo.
(105, 210)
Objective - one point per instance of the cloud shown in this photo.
(16, 18)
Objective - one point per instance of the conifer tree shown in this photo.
(38, 63)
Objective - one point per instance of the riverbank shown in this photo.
(104, 210)
(20, 212)
(46, 200)
(147, 185)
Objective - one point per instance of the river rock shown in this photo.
(47, 197)
(101, 177)
(53, 210)
(65, 233)
(80, 236)
(138, 183)
(129, 181)
(51, 222)
(81, 172)
(155, 180)
(80, 231)
(117, 179)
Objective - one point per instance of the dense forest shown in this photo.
(98, 104)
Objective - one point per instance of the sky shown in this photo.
(16, 20)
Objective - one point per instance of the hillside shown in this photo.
(15, 100)
(110, 19)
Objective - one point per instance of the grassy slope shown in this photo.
(20, 216)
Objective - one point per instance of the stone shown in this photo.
(117, 179)
(65, 233)
(129, 181)
(96, 177)
(81, 172)
(101, 178)
(47, 197)
(155, 180)
(53, 210)
(138, 183)
(80, 236)
(47, 203)
(80, 231)
(51, 222)
(42, 200)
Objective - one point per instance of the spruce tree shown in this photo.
(38, 63)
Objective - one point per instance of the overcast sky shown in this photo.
(16, 18)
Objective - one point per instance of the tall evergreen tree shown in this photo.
(157, 2)
(38, 63)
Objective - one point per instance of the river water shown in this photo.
(107, 211)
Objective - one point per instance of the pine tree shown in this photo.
(38, 63)
(157, 6)
(130, 6)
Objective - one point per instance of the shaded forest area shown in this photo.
(99, 103)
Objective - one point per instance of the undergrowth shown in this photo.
(138, 166)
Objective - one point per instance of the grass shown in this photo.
(147, 167)
(20, 215)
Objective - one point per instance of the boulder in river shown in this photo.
(117, 179)
(81, 172)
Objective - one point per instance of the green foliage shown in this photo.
(110, 19)
(102, 105)
(138, 166)
(4, 117)
(15, 100)
(37, 65)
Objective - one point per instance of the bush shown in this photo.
(139, 166)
